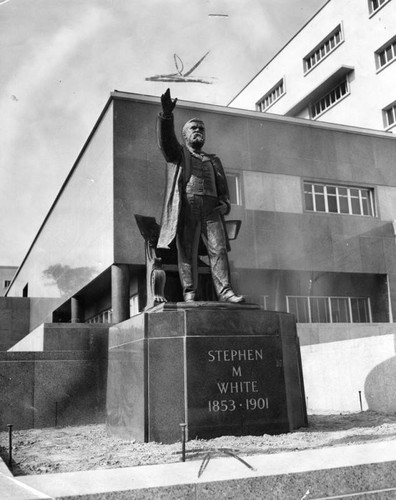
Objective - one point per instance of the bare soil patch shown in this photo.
(67, 449)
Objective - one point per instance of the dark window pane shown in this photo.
(344, 208)
(340, 311)
(332, 204)
(355, 206)
(390, 116)
(308, 201)
(299, 307)
(232, 182)
(320, 203)
(360, 313)
(382, 58)
(319, 310)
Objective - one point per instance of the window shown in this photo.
(386, 54)
(233, 182)
(390, 116)
(272, 96)
(330, 309)
(321, 51)
(264, 301)
(7, 283)
(375, 5)
(134, 305)
(330, 99)
(103, 317)
(338, 199)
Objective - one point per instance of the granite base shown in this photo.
(222, 370)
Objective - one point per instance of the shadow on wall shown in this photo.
(380, 386)
(68, 279)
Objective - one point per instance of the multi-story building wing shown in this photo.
(338, 68)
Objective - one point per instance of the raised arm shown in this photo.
(166, 138)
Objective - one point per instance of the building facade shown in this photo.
(316, 201)
(338, 68)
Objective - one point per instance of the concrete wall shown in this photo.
(75, 243)
(14, 321)
(273, 158)
(345, 362)
(64, 384)
(48, 389)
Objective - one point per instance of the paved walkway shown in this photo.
(366, 471)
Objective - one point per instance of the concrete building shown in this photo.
(6, 275)
(317, 203)
(338, 68)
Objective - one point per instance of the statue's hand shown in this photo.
(222, 208)
(168, 104)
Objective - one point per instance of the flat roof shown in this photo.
(258, 115)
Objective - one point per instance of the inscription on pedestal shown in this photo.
(237, 384)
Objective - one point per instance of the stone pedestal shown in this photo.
(222, 369)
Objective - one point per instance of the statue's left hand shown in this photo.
(168, 104)
(222, 208)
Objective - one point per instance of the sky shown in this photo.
(60, 59)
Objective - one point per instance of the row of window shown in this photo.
(271, 96)
(339, 92)
(323, 49)
(383, 57)
(329, 99)
(338, 199)
(375, 5)
(306, 309)
(330, 309)
(386, 54)
(107, 315)
(103, 317)
(318, 197)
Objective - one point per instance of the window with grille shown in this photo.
(276, 92)
(386, 54)
(339, 199)
(375, 5)
(330, 309)
(103, 317)
(234, 188)
(326, 46)
(330, 99)
(7, 283)
(134, 305)
(390, 116)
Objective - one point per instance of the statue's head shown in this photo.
(194, 133)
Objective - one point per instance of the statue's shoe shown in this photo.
(189, 297)
(231, 297)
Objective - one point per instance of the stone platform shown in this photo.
(222, 369)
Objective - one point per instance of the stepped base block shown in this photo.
(221, 369)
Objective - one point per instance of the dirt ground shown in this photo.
(41, 451)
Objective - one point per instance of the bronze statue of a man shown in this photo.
(196, 201)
